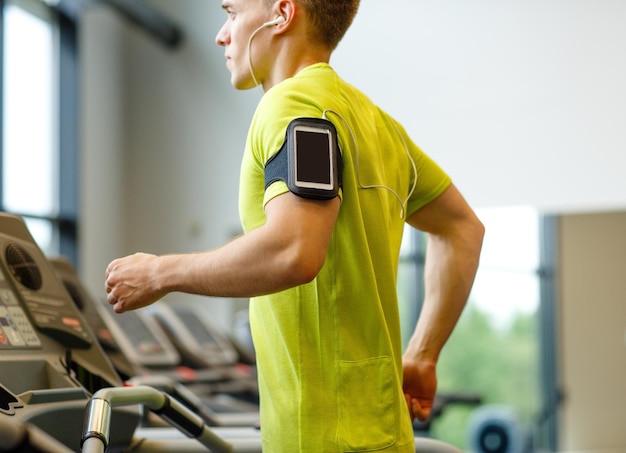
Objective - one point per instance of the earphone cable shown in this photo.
(357, 164)
(254, 80)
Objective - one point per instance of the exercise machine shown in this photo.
(50, 360)
(55, 376)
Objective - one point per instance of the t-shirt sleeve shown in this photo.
(432, 180)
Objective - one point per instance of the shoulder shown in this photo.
(302, 96)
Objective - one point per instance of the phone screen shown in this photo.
(313, 159)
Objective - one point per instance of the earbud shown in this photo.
(278, 20)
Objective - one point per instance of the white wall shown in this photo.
(163, 132)
(185, 136)
(523, 102)
(102, 196)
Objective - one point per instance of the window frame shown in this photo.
(65, 222)
(551, 389)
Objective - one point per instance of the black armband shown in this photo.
(309, 160)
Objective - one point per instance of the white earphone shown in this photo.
(278, 20)
(271, 23)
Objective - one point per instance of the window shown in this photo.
(38, 144)
(496, 353)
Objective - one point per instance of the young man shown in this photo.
(320, 262)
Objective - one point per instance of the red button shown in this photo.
(72, 322)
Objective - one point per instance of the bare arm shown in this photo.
(454, 241)
(288, 250)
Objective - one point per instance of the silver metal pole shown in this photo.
(98, 414)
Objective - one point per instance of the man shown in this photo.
(320, 262)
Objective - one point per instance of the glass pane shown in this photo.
(407, 248)
(29, 171)
(43, 234)
(511, 239)
(408, 290)
(502, 294)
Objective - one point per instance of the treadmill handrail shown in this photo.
(98, 414)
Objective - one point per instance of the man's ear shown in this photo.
(286, 9)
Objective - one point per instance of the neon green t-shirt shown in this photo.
(329, 352)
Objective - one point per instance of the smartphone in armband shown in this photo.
(309, 160)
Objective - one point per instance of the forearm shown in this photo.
(452, 260)
(250, 265)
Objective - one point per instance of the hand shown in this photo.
(419, 385)
(132, 282)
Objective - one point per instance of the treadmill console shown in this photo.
(199, 340)
(16, 330)
(140, 337)
(50, 359)
(28, 276)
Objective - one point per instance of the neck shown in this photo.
(292, 59)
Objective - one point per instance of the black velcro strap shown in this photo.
(276, 166)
